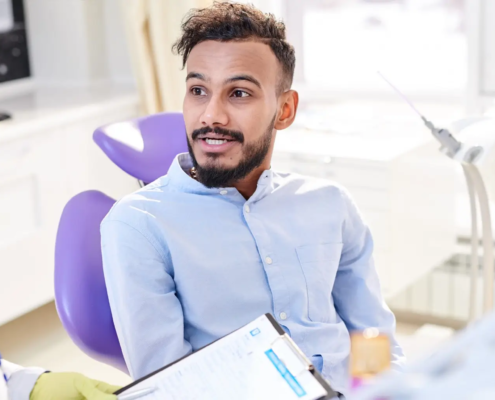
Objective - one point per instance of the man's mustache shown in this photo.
(234, 135)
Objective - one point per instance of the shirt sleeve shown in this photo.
(21, 380)
(357, 293)
(146, 311)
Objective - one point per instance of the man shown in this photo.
(222, 238)
(17, 383)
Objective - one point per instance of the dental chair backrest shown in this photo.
(144, 148)
(80, 291)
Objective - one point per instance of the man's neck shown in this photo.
(248, 185)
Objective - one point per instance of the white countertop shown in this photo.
(47, 107)
(371, 146)
(365, 130)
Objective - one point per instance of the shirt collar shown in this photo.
(179, 177)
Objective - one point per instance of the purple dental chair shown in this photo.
(144, 148)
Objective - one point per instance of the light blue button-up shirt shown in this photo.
(185, 265)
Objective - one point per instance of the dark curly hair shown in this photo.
(224, 22)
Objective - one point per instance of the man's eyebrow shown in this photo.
(244, 77)
(196, 75)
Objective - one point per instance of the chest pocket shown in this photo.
(319, 264)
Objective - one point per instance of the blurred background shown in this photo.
(70, 66)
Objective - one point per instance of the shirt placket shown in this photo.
(273, 269)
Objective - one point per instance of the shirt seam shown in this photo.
(345, 200)
(118, 322)
(141, 191)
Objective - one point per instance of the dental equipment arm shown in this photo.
(468, 156)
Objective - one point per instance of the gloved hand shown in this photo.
(71, 386)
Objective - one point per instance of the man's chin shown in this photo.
(216, 161)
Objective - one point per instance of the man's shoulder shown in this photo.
(139, 204)
(304, 183)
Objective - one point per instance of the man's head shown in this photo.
(239, 74)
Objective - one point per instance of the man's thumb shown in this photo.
(90, 391)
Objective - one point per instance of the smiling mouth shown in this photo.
(217, 142)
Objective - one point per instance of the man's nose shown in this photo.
(215, 113)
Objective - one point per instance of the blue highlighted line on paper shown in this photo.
(282, 369)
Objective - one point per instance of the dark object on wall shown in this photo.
(4, 116)
(18, 11)
(14, 57)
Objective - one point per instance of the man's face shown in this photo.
(230, 107)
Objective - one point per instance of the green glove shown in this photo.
(71, 386)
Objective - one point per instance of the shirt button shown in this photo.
(283, 316)
(223, 192)
(246, 208)
(268, 260)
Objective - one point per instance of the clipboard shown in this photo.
(259, 357)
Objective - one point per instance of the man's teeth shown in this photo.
(215, 141)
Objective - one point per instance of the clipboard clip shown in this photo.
(289, 353)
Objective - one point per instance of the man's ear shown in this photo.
(288, 109)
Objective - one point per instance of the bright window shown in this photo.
(420, 44)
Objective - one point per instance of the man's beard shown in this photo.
(253, 156)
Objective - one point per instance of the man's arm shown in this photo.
(147, 314)
(357, 294)
(20, 380)
(37, 384)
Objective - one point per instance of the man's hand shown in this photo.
(71, 386)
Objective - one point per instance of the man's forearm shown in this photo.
(21, 383)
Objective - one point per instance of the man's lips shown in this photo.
(210, 145)
(215, 136)
(217, 133)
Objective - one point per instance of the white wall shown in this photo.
(57, 40)
(487, 25)
(77, 42)
(481, 55)
(269, 6)
(118, 61)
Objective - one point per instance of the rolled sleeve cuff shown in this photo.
(22, 382)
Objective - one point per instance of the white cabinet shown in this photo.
(405, 193)
(47, 155)
(32, 193)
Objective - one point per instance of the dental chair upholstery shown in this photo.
(144, 148)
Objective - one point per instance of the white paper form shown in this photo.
(251, 363)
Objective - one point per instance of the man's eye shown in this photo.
(240, 93)
(198, 91)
